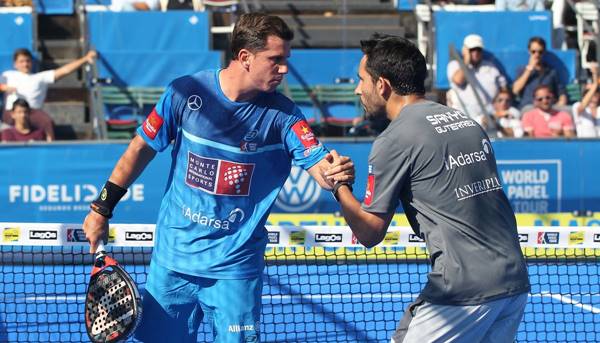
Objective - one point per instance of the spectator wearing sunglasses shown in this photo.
(487, 79)
(507, 117)
(544, 121)
(537, 73)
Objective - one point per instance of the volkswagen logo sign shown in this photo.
(194, 102)
(299, 192)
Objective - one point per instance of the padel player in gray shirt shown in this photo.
(440, 165)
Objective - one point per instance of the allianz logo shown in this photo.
(465, 159)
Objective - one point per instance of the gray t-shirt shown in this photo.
(440, 164)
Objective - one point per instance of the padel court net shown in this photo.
(320, 285)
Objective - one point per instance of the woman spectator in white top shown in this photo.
(586, 112)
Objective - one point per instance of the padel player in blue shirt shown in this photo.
(234, 140)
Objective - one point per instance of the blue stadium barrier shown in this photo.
(144, 31)
(154, 68)
(452, 27)
(407, 5)
(6, 62)
(564, 61)
(323, 66)
(313, 67)
(17, 32)
(64, 7)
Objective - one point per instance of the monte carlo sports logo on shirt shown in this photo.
(219, 177)
(152, 124)
(305, 134)
(370, 186)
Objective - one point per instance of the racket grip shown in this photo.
(101, 248)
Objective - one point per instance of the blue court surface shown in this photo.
(309, 303)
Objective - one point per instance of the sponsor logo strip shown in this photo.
(315, 241)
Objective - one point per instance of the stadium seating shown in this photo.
(58, 7)
(138, 62)
(331, 83)
(508, 45)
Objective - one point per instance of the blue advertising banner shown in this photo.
(56, 182)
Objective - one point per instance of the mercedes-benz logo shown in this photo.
(194, 102)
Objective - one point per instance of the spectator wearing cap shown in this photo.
(544, 121)
(537, 73)
(485, 75)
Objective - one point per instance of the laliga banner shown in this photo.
(56, 182)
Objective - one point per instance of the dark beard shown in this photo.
(377, 115)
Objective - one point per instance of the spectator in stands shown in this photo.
(544, 121)
(16, 3)
(508, 118)
(537, 73)
(484, 77)
(586, 112)
(23, 84)
(520, 5)
(135, 5)
(22, 131)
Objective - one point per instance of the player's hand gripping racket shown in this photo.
(113, 304)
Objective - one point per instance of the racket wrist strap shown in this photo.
(337, 186)
(108, 199)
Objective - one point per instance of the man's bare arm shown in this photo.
(128, 168)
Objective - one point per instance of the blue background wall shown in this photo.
(55, 183)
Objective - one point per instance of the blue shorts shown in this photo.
(175, 304)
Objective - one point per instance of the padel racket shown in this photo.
(113, 304)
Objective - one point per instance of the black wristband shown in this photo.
(337, 186)
(108, 199)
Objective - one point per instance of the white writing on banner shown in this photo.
(64, 197)
(532, 185)
(63, 193)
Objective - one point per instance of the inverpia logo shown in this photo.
(299, 192)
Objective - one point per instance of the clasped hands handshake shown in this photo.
(341, 169)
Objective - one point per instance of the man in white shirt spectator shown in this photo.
(21, 83)
(487, 79)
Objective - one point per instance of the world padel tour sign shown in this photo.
(532, 185)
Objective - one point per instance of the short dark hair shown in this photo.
(252, 30)
(537, 39)
(21, 103)
(540, 87)
(398, 60)
(23, 52)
